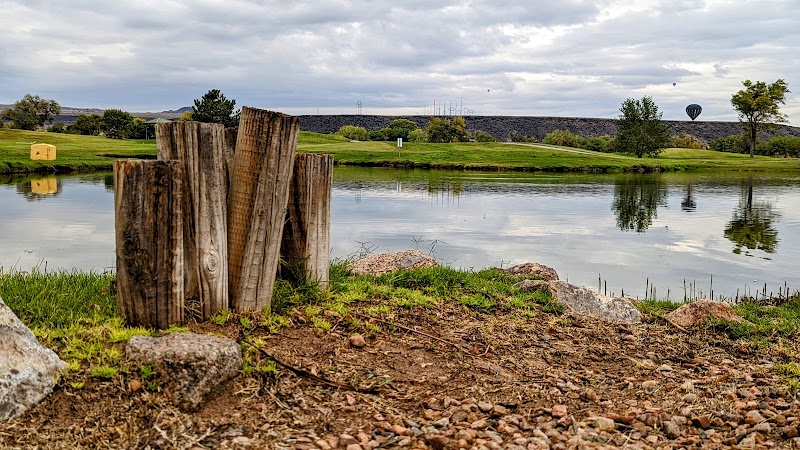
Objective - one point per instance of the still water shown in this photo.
(670, 235)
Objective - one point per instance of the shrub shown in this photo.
(603, 143)
(732, 144)
(58, 127)
(564, 138)
(785, 146)
(445, 130)
(417, 135)
(516, 136)
(482, 136)
(353, 132)
(377, 135)
(686, 141)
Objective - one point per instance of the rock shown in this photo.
(559, 411)
(671, 429)
(696, 314)
(485, 406)
(437, 441)
(703, 421)
(29, 370)
(357, 341)
(193, 364)
(532, 285)
(540, 270)
(582, 301)
(391, 262)
(789, 432)
(763, 427)
(753, 417)
(604, 424)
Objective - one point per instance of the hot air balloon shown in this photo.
(674, 84)
(693, 110)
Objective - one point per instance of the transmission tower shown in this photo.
(359, 105)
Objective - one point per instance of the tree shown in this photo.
(31, 111)
(117, 123)
(640, 129)
(214, 107)
(400, 128)
(444, 130)
(758, 107)
(87, 124)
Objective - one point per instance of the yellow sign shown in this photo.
(43, 151)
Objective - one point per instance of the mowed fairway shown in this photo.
(92, 153)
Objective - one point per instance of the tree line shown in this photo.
(640, 128)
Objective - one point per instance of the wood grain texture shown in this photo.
(260, 180)
(305, 247)
(200, 148)
(148, 202)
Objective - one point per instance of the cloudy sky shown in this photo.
(490, 57)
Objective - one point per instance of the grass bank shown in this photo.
(92, 153)
(75, 312)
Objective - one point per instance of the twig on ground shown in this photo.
(310, 376)
(671, 323)
(422, 333)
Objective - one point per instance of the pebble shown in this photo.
(479, 424)
(485, 406)
(437, 441)
(354, 447)
(559, 411)
(242, 440)
(671, 429)
(358, 341)
(650, 385)
(604, 424)
(763, 427)
(753, 417)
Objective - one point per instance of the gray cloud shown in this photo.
(569, 58)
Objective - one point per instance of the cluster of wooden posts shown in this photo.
(202, 229)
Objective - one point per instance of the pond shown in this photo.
(664, 235)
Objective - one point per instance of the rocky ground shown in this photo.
(448, 377)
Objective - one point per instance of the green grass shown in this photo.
(519, 157)
(93, 153)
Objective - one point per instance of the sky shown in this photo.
(569, 58)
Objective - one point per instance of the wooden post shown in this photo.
(262, 173)
(200, 148)
(306, 235)
(148, 199)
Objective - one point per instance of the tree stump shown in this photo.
(148, 202)
(305, 248)
(262, 173)
(200, 148)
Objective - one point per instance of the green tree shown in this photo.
(400, 128)
(758, 107)
(87, 124)
(215, 108)
(31, 111)
(636, 201)
(564, 138)
(58, 127)
(417, 135)
(117, 123)
(640, 129)
(751, 225)
(445, 130)
(352, 132)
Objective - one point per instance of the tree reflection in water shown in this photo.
(751, 225)
(688, 203)
(636, 200)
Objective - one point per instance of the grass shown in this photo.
(74, 314)
(94, 153)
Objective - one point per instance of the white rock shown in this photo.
(582, 301)
(28, 371)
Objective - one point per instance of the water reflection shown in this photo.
(688, 203)
(34, 188)
(751, 226)
(636, 201)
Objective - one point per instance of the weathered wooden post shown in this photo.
(148, 202)
(306, 235)
(200, 148)
(262, 172)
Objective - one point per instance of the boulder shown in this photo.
(584, 301)
(390, 262)
(192, 364)
(28, 371)
(696, 314)
(540, 270)
(532, 285)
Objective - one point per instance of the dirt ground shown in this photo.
(460, 379)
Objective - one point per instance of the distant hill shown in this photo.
(179, 110)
